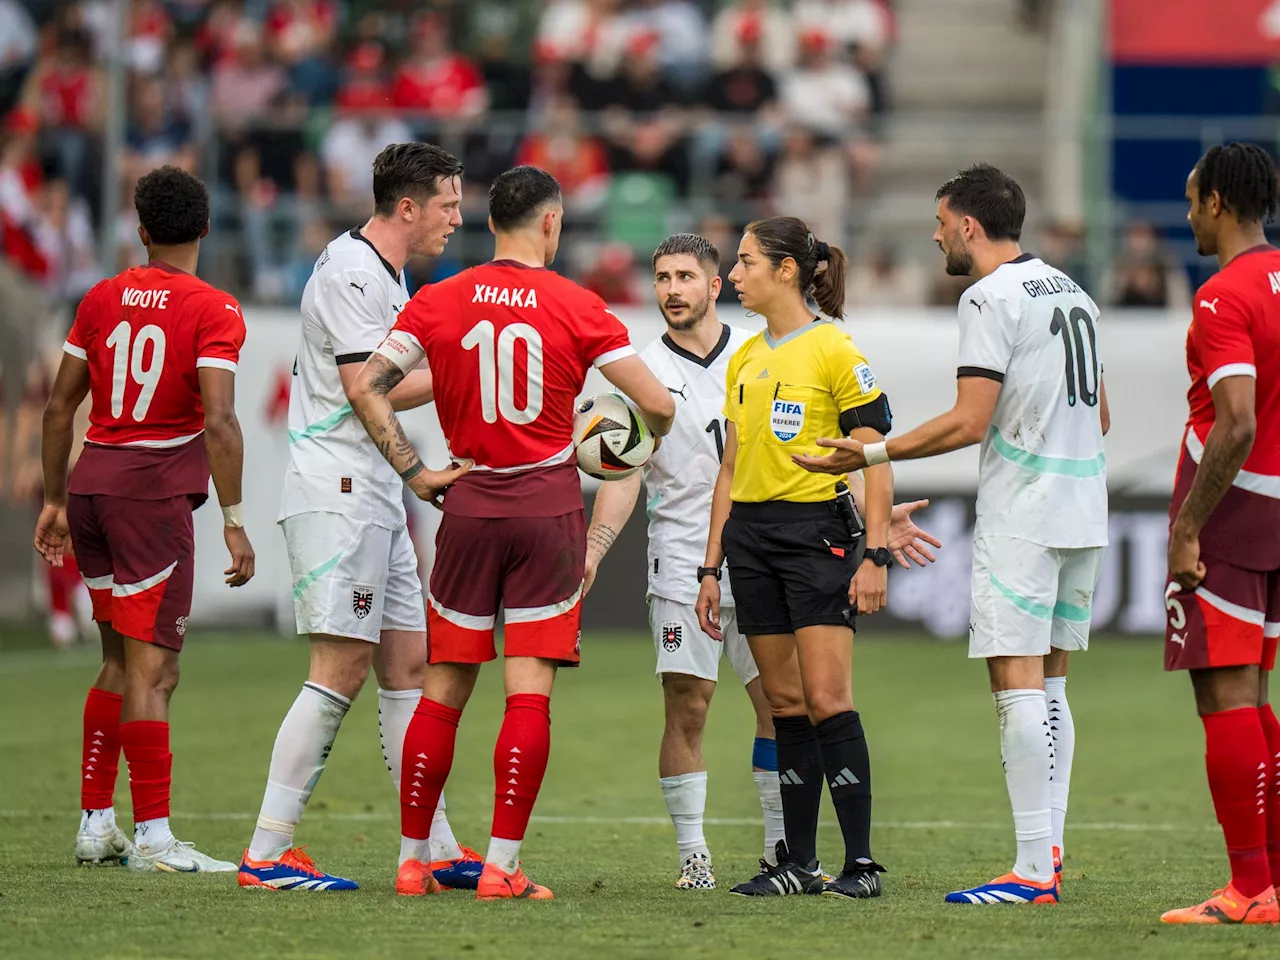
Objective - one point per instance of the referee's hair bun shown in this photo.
(821, 252)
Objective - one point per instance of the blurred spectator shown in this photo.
(745, 173)
(437, 80)
(650, 144)
(365, 86)
(68, 90)
(154, 137)
(20, 184)
(885, 280)
(1062, 246)
(501, 38)
(300, 34)
(149, 30)
(851, 23)
(64, 237)
(641, 85)
(682, 38)
(824, 93)
(612, 276)
(315, 236)
(774, 27)
(245, 82)
(1145, 272)
(577, 160)
(219, 38)
(187, 88)
(348, 152)
(717, 228)
(812, 183)
(17, 50)
(745, 87)
(587, 32)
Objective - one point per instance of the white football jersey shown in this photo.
(348, 305)
(680, 478)
(1043, 471)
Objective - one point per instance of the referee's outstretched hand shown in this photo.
(847, 456)
(708, 608)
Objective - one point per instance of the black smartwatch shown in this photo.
(880, 556)
(708, 572)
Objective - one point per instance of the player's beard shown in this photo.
(959, 262)
(696, 313)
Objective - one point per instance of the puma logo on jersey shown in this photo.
(358, 286)
(153, 299)
(977, 304)
(679, 393)
(505, 296)
(1212, 305)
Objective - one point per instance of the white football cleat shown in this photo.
(695, 873)
(109, 847)
(177, 856)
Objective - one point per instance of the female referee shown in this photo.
(790, 551)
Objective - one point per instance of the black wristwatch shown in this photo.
(708, 572)
(880, 556)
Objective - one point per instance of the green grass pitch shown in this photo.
(1141, 835)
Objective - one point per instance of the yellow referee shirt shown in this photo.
(782, 396)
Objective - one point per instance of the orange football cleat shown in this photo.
(1229, 906)
(415, 879)
(497, 885)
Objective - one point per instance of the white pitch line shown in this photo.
(360, 817)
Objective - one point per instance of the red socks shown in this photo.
(100, 760)
(146, 749)
(1239, 768)
(428, 757)
(519, 762)
(1271, 729)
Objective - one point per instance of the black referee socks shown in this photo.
(848, 770)
(800, 783)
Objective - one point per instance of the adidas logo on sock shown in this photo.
(845, 778)
(791, 778)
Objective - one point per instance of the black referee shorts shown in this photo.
(790, 565)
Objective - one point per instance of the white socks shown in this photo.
(302, 746)
(504, 854)
(1027, 749)
(1063, 729)
(771, 804)
(98, 822)
(152, 834)
(686, 797)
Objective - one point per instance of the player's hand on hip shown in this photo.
(708, 608)
(52, 534)
(906, 540)
(589, 576)
(430, 485)
(1185, 566)
(242, 559)
(847, 456)
(869, 587)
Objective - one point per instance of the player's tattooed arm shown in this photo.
(369, 402)
(1226, 449)
(614, 503)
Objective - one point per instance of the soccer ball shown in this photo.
(611, 439)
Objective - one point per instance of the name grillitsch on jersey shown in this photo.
(505, 296)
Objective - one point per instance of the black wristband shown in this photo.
(704, 572)
(880, 556)
(413, 471)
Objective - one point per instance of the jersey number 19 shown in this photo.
(498, 371)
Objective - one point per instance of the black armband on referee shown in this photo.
(875, 415)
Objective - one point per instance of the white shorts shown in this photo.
(351, 578)
(682, 647)
(1028, 598)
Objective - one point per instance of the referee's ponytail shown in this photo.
(820, 267)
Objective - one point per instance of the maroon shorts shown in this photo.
(137, 560)
(531, 566)
(1232, 619)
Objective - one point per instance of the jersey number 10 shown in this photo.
(1082, 370)
(129, 358)
(498, 371)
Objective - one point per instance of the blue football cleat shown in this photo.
(294, 870)
(1010, 888)
(460, 874)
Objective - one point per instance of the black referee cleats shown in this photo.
(859, 882)
(786, 879)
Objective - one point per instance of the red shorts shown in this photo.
(136, 557)
(1231, 620)
(531, 566)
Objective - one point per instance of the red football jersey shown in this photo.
(144, 334)
(1235, 331)
(509, 348)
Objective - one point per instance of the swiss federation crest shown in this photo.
(786, 420)
(672, 636)
(361, 602)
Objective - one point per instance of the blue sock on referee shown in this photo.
(848, 769)
(800, 784)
